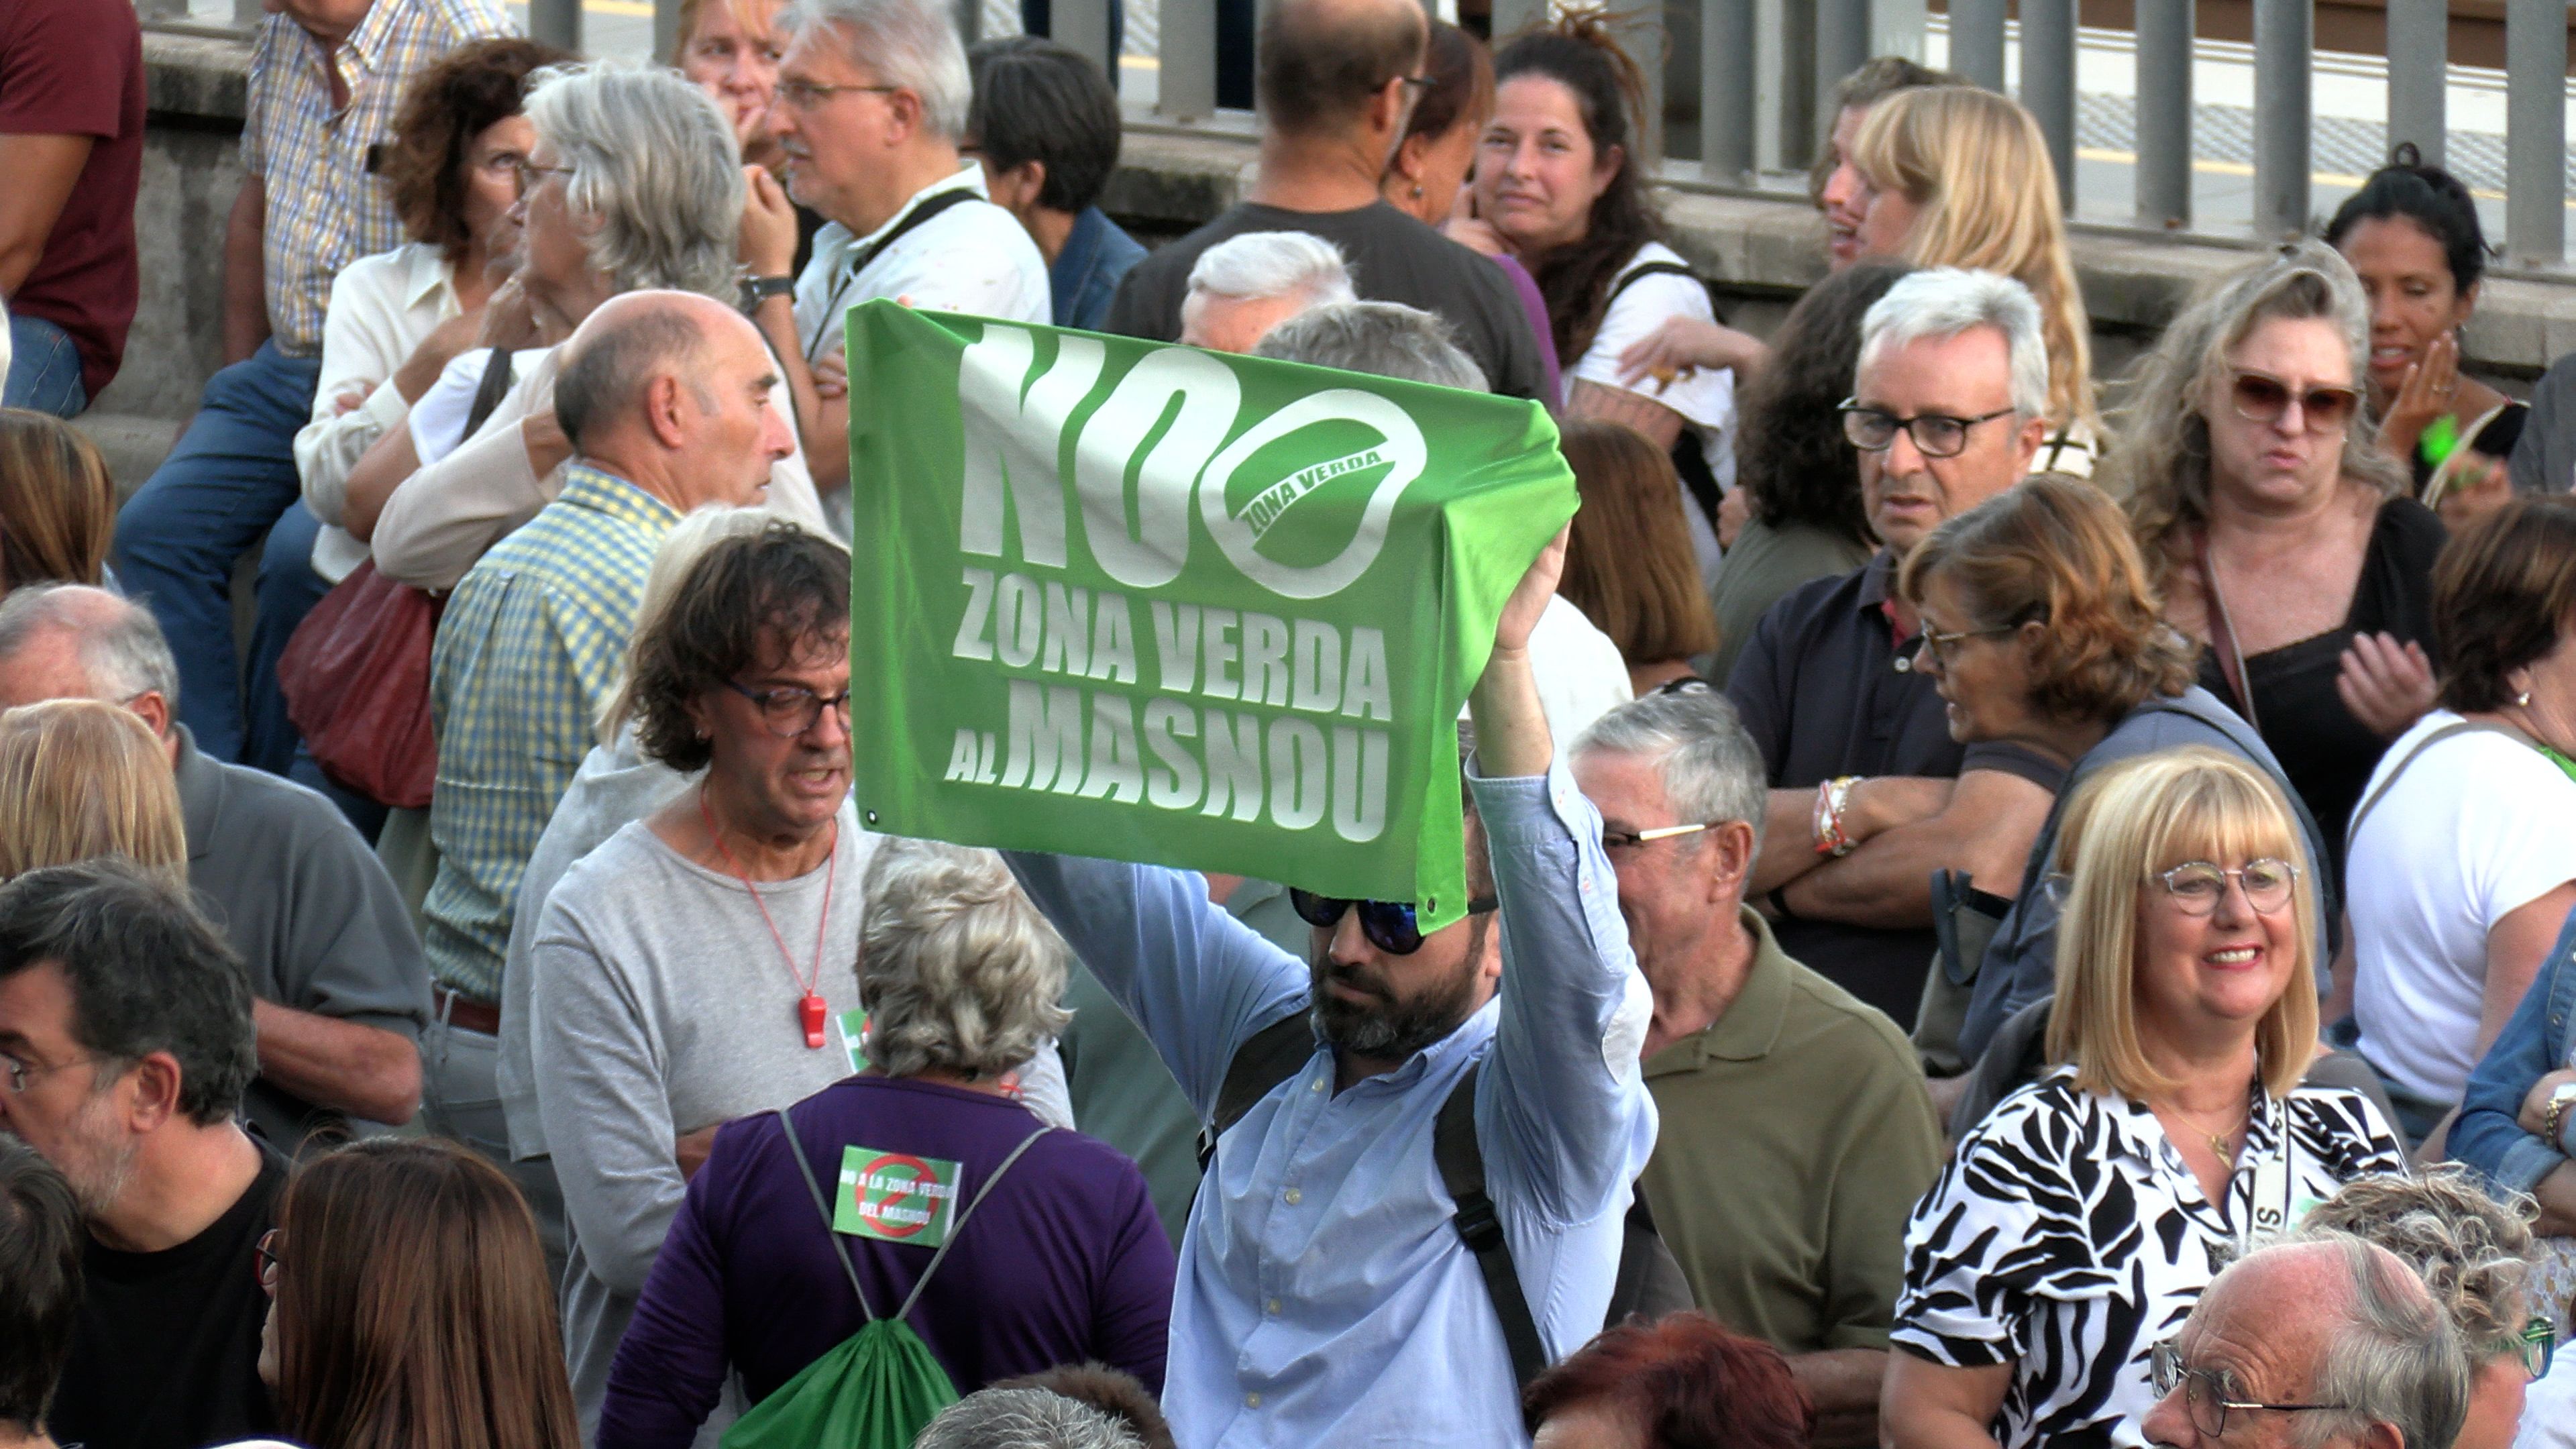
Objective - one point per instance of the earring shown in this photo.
(2522, 700)
(1417, 193)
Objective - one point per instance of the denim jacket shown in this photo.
(2536, 1041)
(1087, 272)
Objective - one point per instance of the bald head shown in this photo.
(671, 392)
(71, 641)
(2332, 1321)
(621, 348)
(1324, 62)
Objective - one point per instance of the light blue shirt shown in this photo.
(1324, 1295)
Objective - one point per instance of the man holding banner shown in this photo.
(1155, 603)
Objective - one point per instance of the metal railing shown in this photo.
(1759, 69)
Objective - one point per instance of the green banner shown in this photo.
(1122, 599)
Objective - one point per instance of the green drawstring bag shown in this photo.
(877, 1388)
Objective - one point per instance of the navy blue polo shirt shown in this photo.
(1827, 688)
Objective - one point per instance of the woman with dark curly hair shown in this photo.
(1797, 473)
(2412, 235)
(1683, 1382)
(458, 156)
(1557, 188)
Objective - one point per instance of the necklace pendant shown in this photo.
(811, 1011)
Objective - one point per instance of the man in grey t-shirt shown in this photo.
(342, 992)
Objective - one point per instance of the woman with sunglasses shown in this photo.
(2280, 536)
(409, 1306)
(2076, 1225)
(2040, 630)
(2476, 1255)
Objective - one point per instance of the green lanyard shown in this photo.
(2561, 761)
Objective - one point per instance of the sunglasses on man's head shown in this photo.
(2262, 398)
(1390, 926)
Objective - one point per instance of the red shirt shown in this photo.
(75, 68)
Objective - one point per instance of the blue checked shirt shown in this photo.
(527, 652)
(1324, 1295)
(326, 207)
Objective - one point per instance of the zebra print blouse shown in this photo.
(2066, 1238)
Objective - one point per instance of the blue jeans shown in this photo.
(44, 369)
(230, 479)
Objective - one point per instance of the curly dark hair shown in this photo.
(781, 589)
(2428, 196)
(1578, 51)
(1790, 454)
(452, 102)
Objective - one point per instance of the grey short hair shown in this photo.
(1387, 339)
(908, 43)
(2394, 1358)
(1711, 769)
(654, 167)
(957, 969)
(2475, 1253)
(1260, 265)
(120, 644)
(611, 359)
(1024, 1419)
(1943, 302)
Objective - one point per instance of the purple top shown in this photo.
(1534, 302)
(1065, 1263)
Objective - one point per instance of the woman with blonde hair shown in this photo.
(2280, 536)
(57, 502)
(2076, 1224)
(1955, 176)
(80, 778)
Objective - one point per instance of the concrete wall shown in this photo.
(1766, 249)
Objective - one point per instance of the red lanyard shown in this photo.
(810, 1010)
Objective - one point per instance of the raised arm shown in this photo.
(1562, 1113)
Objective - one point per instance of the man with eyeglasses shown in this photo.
(665, 400)
(871, 106)
(2329, 1343)
(1870, 795)
(125, 1044)
(1328, 1293)
(1797, 1135)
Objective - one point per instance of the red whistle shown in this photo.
(811, 1010)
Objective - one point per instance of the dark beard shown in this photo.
(1387, 1030)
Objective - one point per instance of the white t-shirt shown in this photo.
(1704, 397)
(2478, 825)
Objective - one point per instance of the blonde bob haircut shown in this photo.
(1977, 166)
(2129, 822)
(80, 778)
(957, 969)
(2159, 459)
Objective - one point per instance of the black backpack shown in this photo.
(1650, 1282)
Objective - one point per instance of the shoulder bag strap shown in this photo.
(1642, 270)
(840, 1250)
(956, 1229)
(2222, 632)
(2352, 832)
(1267, 1057)
(498, 375)
(1462, 1172)
(850, 276)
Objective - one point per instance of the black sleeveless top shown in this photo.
(2327, 753)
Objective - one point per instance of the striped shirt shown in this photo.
(527, 652)
(326, 207)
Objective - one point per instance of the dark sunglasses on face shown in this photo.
(2261, 398)
(1390, 926)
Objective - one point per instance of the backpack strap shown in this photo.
(1268, 1057)
(2352, 832)
(958, 1228)
(1462, 1172)
(840, 1249)
(1642, 270)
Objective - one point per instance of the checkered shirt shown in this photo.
(326, 208)
(527, 652)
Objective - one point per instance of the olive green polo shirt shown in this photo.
(1797, 1136)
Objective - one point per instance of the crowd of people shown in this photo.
(2003, 912)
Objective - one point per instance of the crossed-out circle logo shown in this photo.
(895, 1197)
(1337, 443)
